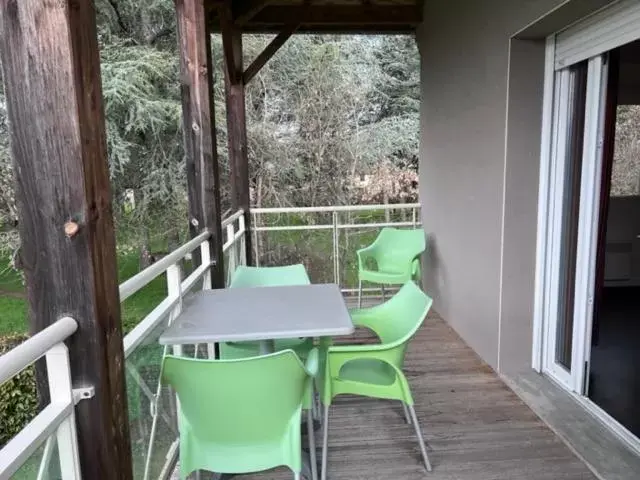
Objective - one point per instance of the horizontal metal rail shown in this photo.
(231, 241)
(232, 218)
(336, 226)
(340, 226)
(26, 442)
(189, 282)
(139, 334)
(142, 279)
(20, 357)
(337, 208)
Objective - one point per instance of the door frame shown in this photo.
(597, 28)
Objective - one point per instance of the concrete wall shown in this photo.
(479, 161)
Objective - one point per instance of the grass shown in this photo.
(13, 314)
(13, 306)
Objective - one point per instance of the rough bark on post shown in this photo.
(54, 100)
(199, 129)
(236, 121)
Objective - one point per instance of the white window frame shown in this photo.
(552, 184)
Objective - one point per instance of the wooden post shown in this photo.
(54, 101)
(196, 68)
(236, 120)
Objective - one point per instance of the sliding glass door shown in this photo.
(586, 333)
(574, 159)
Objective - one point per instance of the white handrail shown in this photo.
(329, 226)
(142, 279)
(20, 357)
(337, 208)
(232, 218)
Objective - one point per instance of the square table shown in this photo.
(262, 314)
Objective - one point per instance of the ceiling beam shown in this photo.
(267, 53)
(246, 10)
(336, 16)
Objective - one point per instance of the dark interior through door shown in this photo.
(614, 378)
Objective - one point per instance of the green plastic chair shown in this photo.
(245, 277)
(376, 370)
(241, 416)
(395, 253)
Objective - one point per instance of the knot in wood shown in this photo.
(195, 127)
(71, 228)
(194, 222)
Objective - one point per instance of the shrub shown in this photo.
(18, 396)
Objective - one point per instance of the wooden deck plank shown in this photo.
(475, 426)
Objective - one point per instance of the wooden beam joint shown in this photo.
(269, 51)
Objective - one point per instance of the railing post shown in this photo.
(414, 217)
(174, 289)
(243, 240)
(253, 230)
(336, 250)
(60, 390)
(233, 251)
(205, 255)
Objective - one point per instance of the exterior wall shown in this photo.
(482, 235)
(522, 162)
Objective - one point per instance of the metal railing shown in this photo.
(56, 422)
(54, 427)
(357, 230)
(156, 458)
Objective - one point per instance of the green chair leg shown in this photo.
(423, 448)
(406, 413)
(312, 445)
(325, 441)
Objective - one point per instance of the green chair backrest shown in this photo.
(398, 319)
(269, 276)
(398, 247)
(245, 406)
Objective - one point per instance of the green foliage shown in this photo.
(625, 178)
(18, 396)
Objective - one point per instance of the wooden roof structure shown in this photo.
(320, 16)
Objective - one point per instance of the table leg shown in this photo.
(267, 346)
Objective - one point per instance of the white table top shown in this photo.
(261, 313)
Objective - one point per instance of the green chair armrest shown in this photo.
(366, 317)
(364, 253)
(312, 364)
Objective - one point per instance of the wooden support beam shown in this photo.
(338, 15)
(231, 46)
(246, 10)
(196, 68)
(54, 100)
(237, 124)
(269, 51)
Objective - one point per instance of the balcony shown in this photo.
(476, 427)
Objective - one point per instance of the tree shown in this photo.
(322, 111)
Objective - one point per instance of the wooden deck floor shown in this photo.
(475, 426)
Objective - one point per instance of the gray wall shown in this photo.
(478, 185)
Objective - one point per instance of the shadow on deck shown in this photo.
(475, 426)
